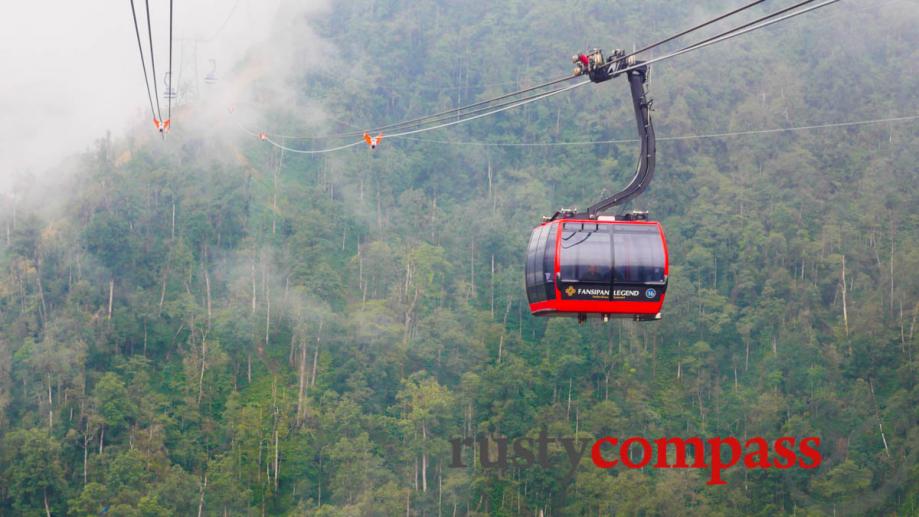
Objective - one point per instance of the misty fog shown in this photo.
(71, 71)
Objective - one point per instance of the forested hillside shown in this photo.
(208, 326)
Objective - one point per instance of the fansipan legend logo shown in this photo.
(714, 454)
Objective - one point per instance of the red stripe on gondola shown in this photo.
(597, 307)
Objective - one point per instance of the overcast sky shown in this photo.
(71, 69)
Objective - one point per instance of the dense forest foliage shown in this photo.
(208, 326)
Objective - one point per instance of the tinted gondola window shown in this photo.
(638, 254)
(585, 253)
(533, 265)
(540, 264)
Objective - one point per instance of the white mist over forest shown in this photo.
(72, 74)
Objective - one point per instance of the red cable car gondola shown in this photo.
(584, 264)
(602, 267)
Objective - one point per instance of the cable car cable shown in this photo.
(692, 29)
(412, 132)
(702, 44)
(153, 62)
(738, 31)
(487, 108)
(556, 81)
(440, 115)
(222, 25)
(434, 121)
(672, 138)
(748, 24)
(143, 62)
(520, 103)
(170, 90)
(419, 120)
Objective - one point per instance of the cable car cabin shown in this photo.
(598, 268)
(583, 264)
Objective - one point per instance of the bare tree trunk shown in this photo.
(267, 308)
(409, 316)
(492, 286)
(111, 295)
(302, 389)
(891, 267)
(253, 286)
(746, 361)
(41, 292)
(490, 178)
(47, 508)
(163, 288)
(424, 457)
(277, 459)
(316, 356)
(207, 290)
(85, 454)
(568, 409)
(472, 268)
(360, 267)
(877, 414)
(845, 310)
(50, 406)
(203, 367)
(912, 324)
(201, 496)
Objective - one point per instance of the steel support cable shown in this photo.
(520, 103)
(169, 90)
(754, 22)
(738, 31)
(674, 138)
(438, 119)
(307, 151)
(763, 21)
(439, 116)
(434, 121)
(156, 92)
(692, 29)
(702, 44)
(143, 62)
(222, 25)
(416, 131)
(421, 120)
(707, 42)
(559, 80)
